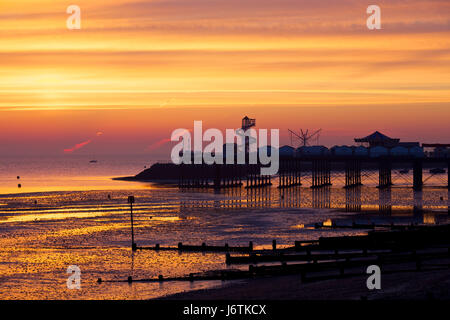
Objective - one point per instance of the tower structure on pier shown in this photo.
(247, 123)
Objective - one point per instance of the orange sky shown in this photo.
(139, 69)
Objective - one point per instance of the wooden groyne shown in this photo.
(393, 236)
(199, 248)
(338, 266)
(419, 249)
(373, 225)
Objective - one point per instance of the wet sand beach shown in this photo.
(397, 286)
(49, 225)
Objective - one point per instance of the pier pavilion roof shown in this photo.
(378, 139)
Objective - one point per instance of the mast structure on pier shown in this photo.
(304, 136)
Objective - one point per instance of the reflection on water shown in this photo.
(290, 197)
(353, 199)
(385, 200)
(43, 233)
(321, 197)
(418, 202)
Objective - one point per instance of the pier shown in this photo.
(292, 169)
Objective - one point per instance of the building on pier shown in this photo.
(437, 150)
(378, 151)
(312, 151)
(377, 139)
(341, 151)
(379, 144)
(287, 151)
(360, 151)
(416, 152)
(399, 151)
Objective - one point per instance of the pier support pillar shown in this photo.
(385, 174)
(385, 200)
(448, 203)
(217, 177)
(327, 173)
(314, 174)
(417, 176)
(358, 173)
(418, 202)
(298, 173)
(289, 173)
(352, 173)
(321, 173)
(448, 175)
(181, 180)
(353, 199)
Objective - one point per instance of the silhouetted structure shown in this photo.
(378, 139)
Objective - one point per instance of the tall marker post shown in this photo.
(131, 201)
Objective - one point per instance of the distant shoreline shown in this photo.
(135, 179)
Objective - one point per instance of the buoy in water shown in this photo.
(19, 186)
(18, 177)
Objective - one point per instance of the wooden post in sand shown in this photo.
(131, 201)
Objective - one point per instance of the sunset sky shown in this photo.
(137, 70)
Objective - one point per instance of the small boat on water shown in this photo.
(404, 171)
(437, 171)
(93, 161)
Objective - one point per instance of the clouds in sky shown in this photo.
(176, 54)
(77, 146)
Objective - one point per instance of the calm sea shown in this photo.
(68, 172)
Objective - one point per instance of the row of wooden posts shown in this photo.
(400, 245)
(312, 267)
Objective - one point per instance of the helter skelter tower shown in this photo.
(247, 123)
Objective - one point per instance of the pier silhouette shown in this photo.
(319, 168)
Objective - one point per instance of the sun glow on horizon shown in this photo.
(162, 56)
